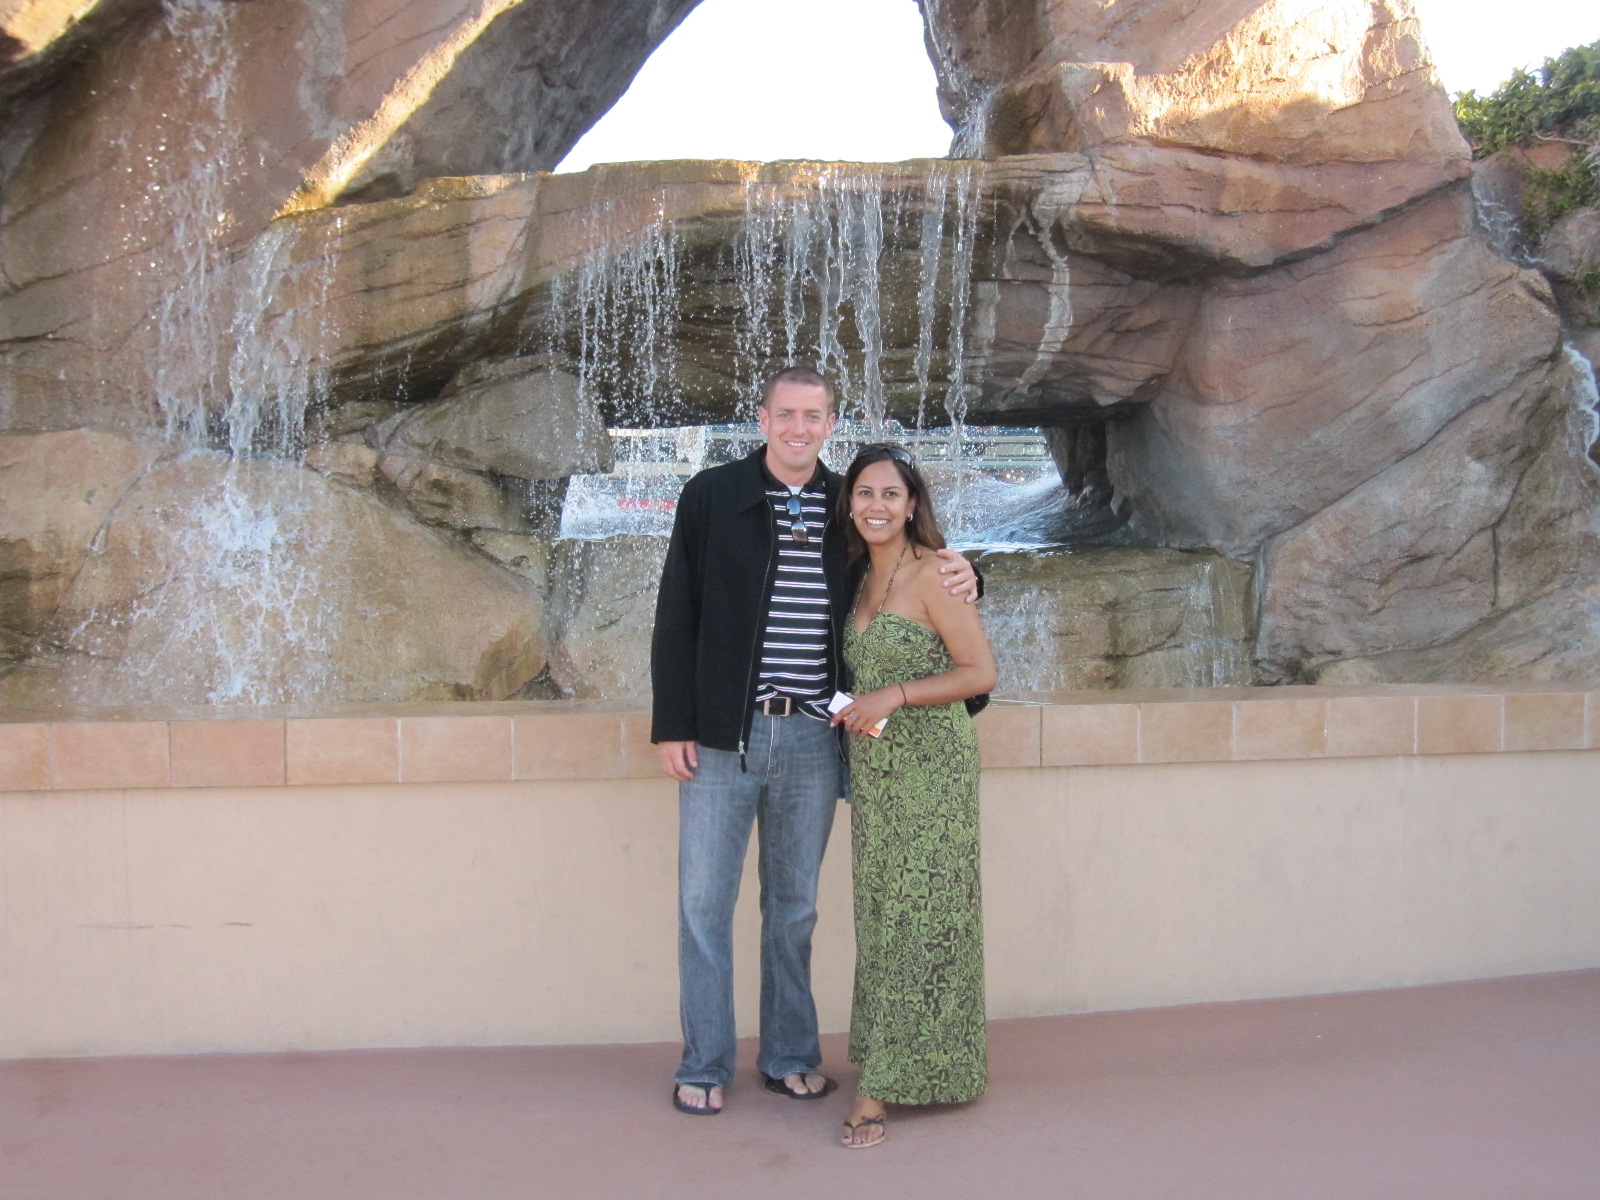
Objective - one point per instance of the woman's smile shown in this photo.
(879, 503)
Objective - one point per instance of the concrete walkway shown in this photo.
(1459, 1092)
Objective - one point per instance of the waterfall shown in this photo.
(223, 378)
(622, 310)
(1130, 618)
(271, 382)
(972, 98)
(239, 582)
(1588, 409)
(823, 268)
(808, 264)
(191, 164)
(1503, 226)
(862, 270)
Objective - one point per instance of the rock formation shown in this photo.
(161, 153)
(1227, 254)
(1370, 411)
(1117, 618)
(599, 619)
(59, 490)
(148, 155)
(198, 579)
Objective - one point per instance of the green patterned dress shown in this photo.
(917, 1026)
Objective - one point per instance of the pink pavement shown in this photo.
(1455, 1092)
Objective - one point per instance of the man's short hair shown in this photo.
(801, 375)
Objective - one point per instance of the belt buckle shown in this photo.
(778, 706)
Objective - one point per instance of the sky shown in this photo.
(850, 80)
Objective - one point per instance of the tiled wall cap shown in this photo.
(389, 744)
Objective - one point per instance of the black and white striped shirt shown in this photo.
(797, 643)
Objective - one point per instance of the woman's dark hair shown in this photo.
(923, 526)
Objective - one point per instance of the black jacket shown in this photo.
(712, 604)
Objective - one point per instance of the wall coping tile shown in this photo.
(396, 743)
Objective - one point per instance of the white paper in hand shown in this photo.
(840, 699)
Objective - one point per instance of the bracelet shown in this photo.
(905, 700)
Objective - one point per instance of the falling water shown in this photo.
(865, 273)
(192, 162)
(224, 377)
(262, 560)
(239, 583)
(625, 297)
(1502, 225)
(1588, 409)
(817, 251)
(1005, 493)
(1125, 618)
(814, 274)
(974, 99)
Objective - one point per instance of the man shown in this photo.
(745, 658)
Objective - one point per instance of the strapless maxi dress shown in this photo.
(917, 1021)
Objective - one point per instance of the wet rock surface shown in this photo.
(60, 489)
(600, 614)
(1117, 618)
(514, 417)
(169, 142)
(374, 605)
(40, 38)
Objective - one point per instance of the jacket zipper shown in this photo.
(755, 646)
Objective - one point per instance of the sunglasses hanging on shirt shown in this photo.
(797, 522)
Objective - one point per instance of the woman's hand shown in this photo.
(862, 713)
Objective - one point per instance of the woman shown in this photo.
(914, 652)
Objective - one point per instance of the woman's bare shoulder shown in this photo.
(937, 600)
(921, 569)
(924, 581)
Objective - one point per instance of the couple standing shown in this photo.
(772, 582)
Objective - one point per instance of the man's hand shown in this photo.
(960, 579)
(678, 759)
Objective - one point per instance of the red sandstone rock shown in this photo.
(1298, 385)
(1347, 81)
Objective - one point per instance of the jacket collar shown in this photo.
(754, 478)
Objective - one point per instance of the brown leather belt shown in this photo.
(778, 706)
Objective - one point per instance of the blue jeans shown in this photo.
(788, 793)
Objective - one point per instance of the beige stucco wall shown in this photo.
(316, 917)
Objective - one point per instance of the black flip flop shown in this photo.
(691, 1109)
(779, 1087)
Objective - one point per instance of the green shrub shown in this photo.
(1551, 195)
(1558, 102)
(1560, 99)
